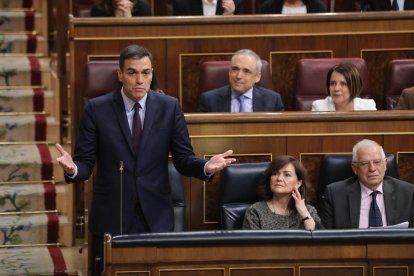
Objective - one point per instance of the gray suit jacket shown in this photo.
(340, 207)
(219, 100)
(406, 100)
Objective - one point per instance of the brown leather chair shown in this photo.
(100, 78)
(311, 79)
(215, 74)
(398, 76)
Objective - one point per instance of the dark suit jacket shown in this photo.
(275, 6)
(383, 5)
(340, 207)
(195, 7)
(219, 100)
(406, 100)
(141, 8)
(104, 138)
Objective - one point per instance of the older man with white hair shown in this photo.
(370, 198)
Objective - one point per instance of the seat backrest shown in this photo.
(311, 79)
(100, 77)
(238, 190)
(178, 197)
(337, 167)
(399, 75)
(215, 74)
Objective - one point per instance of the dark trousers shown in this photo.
(96, 261)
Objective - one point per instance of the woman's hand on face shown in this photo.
(300, 203)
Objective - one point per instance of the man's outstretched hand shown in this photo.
(219, 162)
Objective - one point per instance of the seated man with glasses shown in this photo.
(370, 198)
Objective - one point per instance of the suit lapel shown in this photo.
(119, 108)
(257, 100)
(354, 201)
(151, 108)
(197, 7)
(224, 105)
(390, 201)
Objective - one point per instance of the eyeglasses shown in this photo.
(365, 164)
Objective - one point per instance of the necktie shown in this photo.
(242, 105)
(136, 127)
(375, 219)
(394, 6)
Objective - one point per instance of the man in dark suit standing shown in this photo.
(206, 7)
(387, 5)
(106, 136)
(242, 95)
(369, 199)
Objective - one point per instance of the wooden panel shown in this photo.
(390, 271)
(339, 270)
(192, 272)
(263, 271)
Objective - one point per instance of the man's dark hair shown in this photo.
(133, 52)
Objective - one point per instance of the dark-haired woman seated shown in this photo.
(344, 85)
(282, 189)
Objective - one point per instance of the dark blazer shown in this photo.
(104, 138)
(406, 100)
(219, 100)
(141, 8)
(275, 6)
(341, 205)
(195, 7)
(383, 5)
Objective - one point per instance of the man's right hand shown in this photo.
(65, 160)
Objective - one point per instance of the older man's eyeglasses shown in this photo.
(365, 164)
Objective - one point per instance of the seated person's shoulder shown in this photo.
(364, 104)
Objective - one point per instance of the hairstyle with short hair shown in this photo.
(275, 165)
(248, 52)
(351, 75)
(134, 52)
(364, 144)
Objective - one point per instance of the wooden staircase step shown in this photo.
(32, 197)
(29, 100)
(25, 20)
(28, 43)
(23, 128)
(24, 71)
(35, 228)
(29, 162)
(40, 260)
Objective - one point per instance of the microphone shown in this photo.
(121, 171)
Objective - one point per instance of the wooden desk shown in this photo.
(287, 253)
(257, 137)
(180, 44)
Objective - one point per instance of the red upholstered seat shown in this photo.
(398, 75)
(100, 78)
(311, 79)
(215, 74)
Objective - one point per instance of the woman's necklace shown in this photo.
(276, 211)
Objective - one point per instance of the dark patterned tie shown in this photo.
(394, 6)
(136, 127)
(375, 219)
